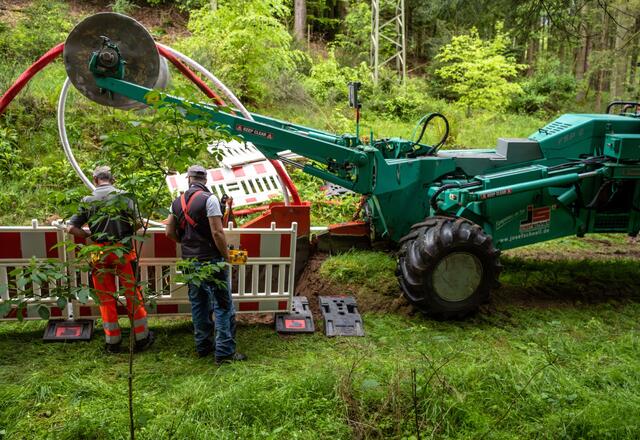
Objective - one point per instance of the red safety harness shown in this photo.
(186, 218)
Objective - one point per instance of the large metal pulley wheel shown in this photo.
(144, 66)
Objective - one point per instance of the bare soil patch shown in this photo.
(576, 288)
(312, 285)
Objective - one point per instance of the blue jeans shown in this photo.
(205, 299)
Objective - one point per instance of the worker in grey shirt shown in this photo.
(196, 223)
(112, 220)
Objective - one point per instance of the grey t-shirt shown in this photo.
(213, 207)
(118, 221)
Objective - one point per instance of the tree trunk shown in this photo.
(604, 45)
(300, 20)
(532, 51)
(633, 62)
(620, 72)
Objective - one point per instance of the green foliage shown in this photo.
(40, 280)
(192, 271)
(160, 143)
(478, 72)
(44, 25)
(327, 81)
(371, 269)
(549, 90)
(8, 150)
(245, 43)
(355, 39)
(321, 16)
(181, 5)
(324, 210)
(123, 6)
(401, 101)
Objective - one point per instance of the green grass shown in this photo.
(545, 364)
(373, 271)
(556, 373)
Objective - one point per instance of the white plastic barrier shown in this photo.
(236, 153)
(265, 284)
(17, 246)
(248, 184)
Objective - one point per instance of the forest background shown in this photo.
(493, 68)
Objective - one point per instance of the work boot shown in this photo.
(205, 353)
(230, 358)
(112, 348)
(145, 343)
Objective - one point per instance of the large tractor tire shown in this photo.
(447, 267)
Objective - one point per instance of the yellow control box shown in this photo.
(238, 257)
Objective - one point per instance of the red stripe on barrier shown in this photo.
(13, 313)
(173, 182)
(10, 245)
(55, 311)
(251, 244)
(167, 308)
(260, 168)
(216, 175)
(122, 310)
(249, 306)
(285, 245)
(84, 311)
(78, 240)
(51, 239)
(238, 172)
(283, 305)
(164, 247)
(251, 200)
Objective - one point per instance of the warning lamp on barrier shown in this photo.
(68, 331)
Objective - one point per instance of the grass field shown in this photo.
(554, 356)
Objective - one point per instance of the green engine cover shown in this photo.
(622, 146)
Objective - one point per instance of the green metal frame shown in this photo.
(541, 188)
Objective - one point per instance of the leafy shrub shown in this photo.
(327, 81)
(44, 25)
(8, 150)
(404, 101)
(181, 5)
(477, 73)
(245, 43)
(353, 42)
(550, 88)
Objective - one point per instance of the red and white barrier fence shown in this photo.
(265, 284)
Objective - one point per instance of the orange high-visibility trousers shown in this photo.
(104, 281)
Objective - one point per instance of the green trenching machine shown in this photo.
(450, 211)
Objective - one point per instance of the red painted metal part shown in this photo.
(54, 52)
(351, 229)
(249, 211)
(283, 216)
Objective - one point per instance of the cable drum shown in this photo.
(143, 63)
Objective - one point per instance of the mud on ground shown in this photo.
(533, 278)
(312, 285)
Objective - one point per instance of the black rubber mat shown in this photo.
(341, 316)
